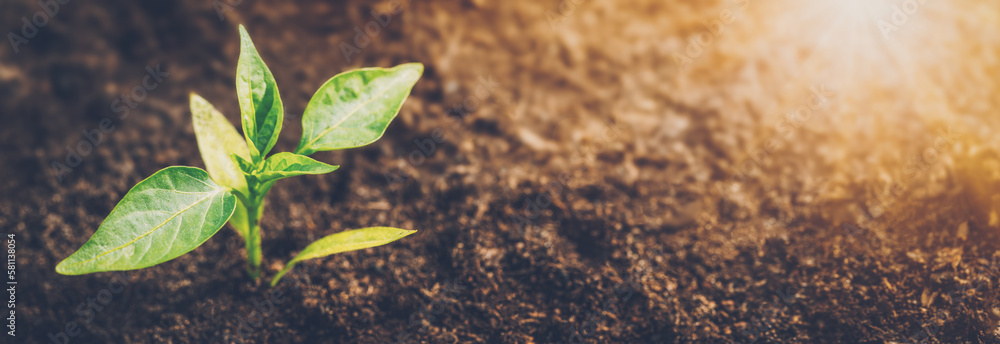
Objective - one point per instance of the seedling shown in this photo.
(178, 208)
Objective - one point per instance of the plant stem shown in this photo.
(253, 240)
(255, 206)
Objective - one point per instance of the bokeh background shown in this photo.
(746, 171)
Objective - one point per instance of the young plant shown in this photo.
(178, 208)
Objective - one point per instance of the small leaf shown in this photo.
(163, 217)
(247, 167)
(260, 104)
(353, 108)
(284, 165)
(345, 241)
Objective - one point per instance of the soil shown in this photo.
(579, 171)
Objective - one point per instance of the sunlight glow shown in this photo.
(874, 46)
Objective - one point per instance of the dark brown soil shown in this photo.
(583, 186)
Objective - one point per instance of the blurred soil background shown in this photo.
(768, 171)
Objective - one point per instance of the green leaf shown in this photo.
(260, 105)
(284, 165)
(345, 241)
(352, 109)
(244, 165)
(163, 217)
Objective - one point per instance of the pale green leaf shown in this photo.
(163, 217)
(261, 110)
(284, 165)
(353, 108)
(217, 139)
(345, 241)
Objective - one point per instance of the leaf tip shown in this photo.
(245, 43)
(62, 269)
(196, 99)
(245, 37)
(416, 67)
